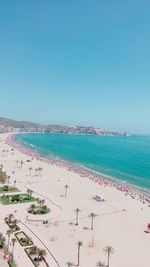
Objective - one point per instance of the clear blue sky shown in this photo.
(76, 62)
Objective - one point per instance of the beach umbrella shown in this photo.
(148, 227)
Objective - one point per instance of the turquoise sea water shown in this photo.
(124, 158)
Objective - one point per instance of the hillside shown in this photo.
(25, 126)
(5, 122)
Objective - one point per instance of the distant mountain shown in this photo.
(5, 122)
(8, 125)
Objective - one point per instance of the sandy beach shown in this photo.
(120, 222)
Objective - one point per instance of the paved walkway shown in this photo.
(3, 263)
(52, 260)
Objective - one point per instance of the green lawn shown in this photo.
(23, 239)
(3, 189)
(32, 257)
(12, 263)
(3, 176)
(16, 198)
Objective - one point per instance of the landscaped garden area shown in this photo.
(37, 255)
(3, 176)
(7, 188)
(39, 209)
(4, 247)
(23, 239)
(12, 223)
(12, 263)
(17, 198)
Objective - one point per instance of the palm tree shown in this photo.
(32, 208)
(12, 151)
(4, 176)
(8, 233)
(30, 170)
(69, 264)
(41, 171)
(42, 203)
(34, 250)
(14, 183)
(36, 171)
(15, 221)
(8, 181)
(41, 254)
(108, 250)
(31, 192)
(9, 218)
(92, 216)
(28, 192)
(1, 167)
(66, 188)
(79, 244)
(39, 202)
(100, 264)
(14, 224)
(77, 216)
(28, 240)
(21, 163)
(13, 240)
(2, 240)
